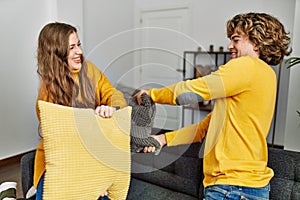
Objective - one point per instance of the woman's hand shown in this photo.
(138, 95)
(105, 111)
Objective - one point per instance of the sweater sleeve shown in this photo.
(181, 93)
(230, 79)
(189, 134)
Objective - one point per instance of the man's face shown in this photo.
(240, 45)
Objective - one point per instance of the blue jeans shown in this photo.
(217, 192)
(39, 190)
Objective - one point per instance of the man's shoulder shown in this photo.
(246, 61)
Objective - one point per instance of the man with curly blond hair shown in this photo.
(244, 90)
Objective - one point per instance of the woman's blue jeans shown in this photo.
(217, 192)
(39, 190)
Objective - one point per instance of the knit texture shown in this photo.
(142, 118)
(86, 154)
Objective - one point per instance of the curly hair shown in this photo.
(54, 71)
(265, 31)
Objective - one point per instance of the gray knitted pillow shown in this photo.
(142, 117)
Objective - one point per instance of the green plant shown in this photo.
(292, 61)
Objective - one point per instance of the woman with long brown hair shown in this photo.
(66, 78)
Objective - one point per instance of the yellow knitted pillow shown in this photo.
(85, 154)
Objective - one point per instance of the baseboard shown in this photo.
(275, 146)
(11, 161)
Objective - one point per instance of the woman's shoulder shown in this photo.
(94, 73)
(91, 65)
(93, 69)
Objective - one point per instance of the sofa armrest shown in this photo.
(27, 169)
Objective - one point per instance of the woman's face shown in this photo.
(75, 52)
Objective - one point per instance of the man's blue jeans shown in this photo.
(217, 192)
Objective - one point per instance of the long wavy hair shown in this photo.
(56, 74)
(265, 31)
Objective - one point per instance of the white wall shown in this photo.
(108, 37)
(210, 28)
(19, 30)
(209, 20)
(105, 29)
(208, 24)
(20, 26)
(292, 131)
(71, 12)
(20, 23)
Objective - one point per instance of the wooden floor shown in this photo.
(10, 171)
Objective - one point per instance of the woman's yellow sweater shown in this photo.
(106, 94)
(236, 151)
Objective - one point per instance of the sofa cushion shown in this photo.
(85, 154)
(281, 188)
(286, 165)
(170, 181)
(140, 189)
(297, 171)
(177, 168)
(296, 191)
(282, 164)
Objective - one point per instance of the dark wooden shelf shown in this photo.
(220, 58)
(200, 106)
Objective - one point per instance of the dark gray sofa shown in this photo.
(176, 173)
(182, 179)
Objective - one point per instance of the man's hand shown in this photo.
(105, 111)
(139, 94)
(160, 138)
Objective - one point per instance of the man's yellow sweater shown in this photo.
(236, 151)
